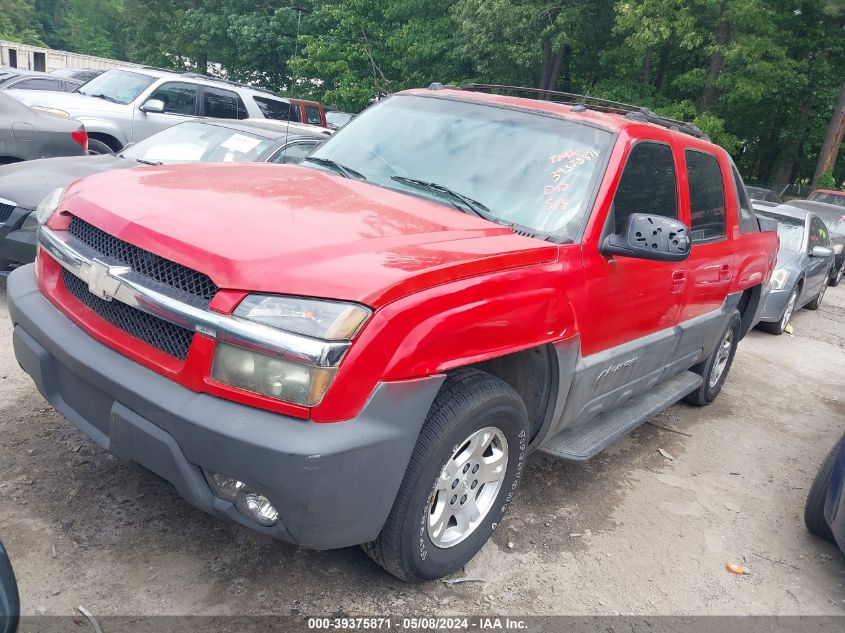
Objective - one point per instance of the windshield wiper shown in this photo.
(145, 162)
(101, 96)
(343, 170)
(474, 206)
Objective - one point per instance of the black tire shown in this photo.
(469, 400)
(816, 303)
(779, 327)
(98, 147)
(814, 508)
(836, 278)
(707, 393)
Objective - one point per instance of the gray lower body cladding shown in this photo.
(333, 484)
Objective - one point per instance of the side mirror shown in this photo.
(650, 237)
(10, 605)
(821, 251)
(152, 105)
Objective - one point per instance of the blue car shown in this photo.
(824, 513)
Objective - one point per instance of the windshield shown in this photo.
(829, 198)
(790, 232)
(119, 86)
(533, 170)
(196, 141)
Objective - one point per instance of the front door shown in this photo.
(817, 267)
(629, 306)
(180, 104)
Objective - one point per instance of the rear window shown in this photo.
(707, 196)
(790, 231)
(275, 109)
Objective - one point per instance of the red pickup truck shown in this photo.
(365, 348)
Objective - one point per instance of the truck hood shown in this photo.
(73, 103)
(28, 183)
(298, 230)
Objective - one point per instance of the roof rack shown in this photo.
(637, 113)
(229, 82)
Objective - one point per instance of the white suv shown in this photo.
(123, 106)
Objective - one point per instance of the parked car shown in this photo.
(824, 511)
(335, 119)
(10, 605)
(24, 185)
(126, 105)
(834, 218)
(764, 195)
(80, 74)
(365, 347)
(17, 79)
(309, 112)
(26, 134)
(828, 196)
(803, 267)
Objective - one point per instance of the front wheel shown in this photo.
(814, 508)
(779, 327)
(462, 477)
(96, 147)
(715, 369)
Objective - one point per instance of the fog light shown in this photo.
(249, 502)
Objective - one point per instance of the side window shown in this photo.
(221, 104)
(648, 184)
(707, 197)
(747, 219)
(38, 84)
(178, 98)
(818, 233)
(293, 153)
(273, 108)
(312, 114)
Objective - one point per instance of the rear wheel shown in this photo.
(715, 369)
(814, 508)
(778, 327)
(462, 477)
(837, 276)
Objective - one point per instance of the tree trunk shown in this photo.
(662, 67)
(645, 75)
(832, 138)
(202, 62)
(784, 169)
(717, 61)
(552, 64)
(547, 63)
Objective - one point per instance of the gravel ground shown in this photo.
(630, 532)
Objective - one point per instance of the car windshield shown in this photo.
(790, 232)
(834, 221)
(119, 86)
(196, 141)
(829, 198)
(525, 168)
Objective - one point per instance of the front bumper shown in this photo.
(333, 484)
(16, 246)
(776, 304)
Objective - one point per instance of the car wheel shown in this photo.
(814, 508)
(816, 303)
(715, 369)
(461, 478)
(98, 147)
(835, 279)
(778, 327)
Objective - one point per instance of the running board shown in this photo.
(587, 440)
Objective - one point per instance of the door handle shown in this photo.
(679, 280)
(725, 271)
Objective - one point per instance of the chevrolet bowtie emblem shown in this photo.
(103, 281)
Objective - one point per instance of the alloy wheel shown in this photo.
(722, 357)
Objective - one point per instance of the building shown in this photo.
(30, 57)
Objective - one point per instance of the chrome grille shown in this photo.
(144, 262)
(163, 335)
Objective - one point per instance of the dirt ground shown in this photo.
(630, 532)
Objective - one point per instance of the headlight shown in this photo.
(331, 320)
(779, 278)
(48, 206)
(271, 376)
(53, 111)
